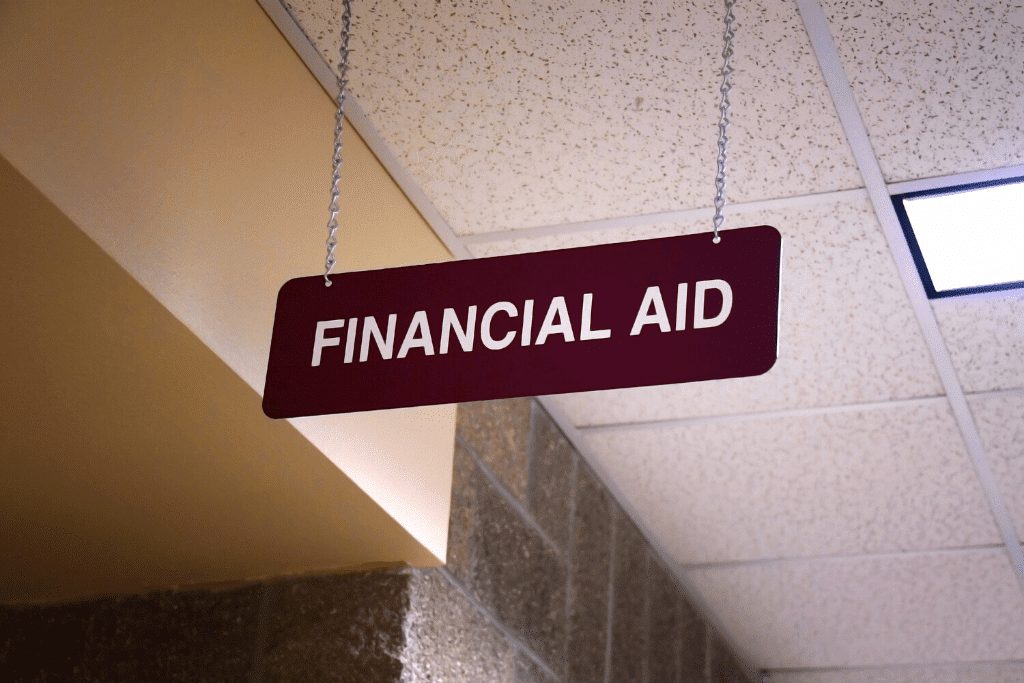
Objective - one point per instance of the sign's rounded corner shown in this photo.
(288, 286)
(270, 409)
(768, 368)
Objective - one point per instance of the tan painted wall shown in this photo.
(191, 144)
(132, 456)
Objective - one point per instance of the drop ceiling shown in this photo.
(853, 515)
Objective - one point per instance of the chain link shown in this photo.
(723, 122)
(332, 224)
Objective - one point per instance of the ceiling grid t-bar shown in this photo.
(839, 88)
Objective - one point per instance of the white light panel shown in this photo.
(972, 238)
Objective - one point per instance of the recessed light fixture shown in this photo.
(966, 239)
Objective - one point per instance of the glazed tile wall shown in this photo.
(547, 581)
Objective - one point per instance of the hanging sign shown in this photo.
(663, 311)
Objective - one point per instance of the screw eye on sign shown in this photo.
(663, 311)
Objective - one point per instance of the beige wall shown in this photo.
(133, 457)
(190, 143)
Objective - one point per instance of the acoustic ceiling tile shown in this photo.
(1000, 420)
(847, 332)
(513, 115)
(879, 480)
(971, 672)
(940, 84)
(985, 339)
(871, 611)
(528, 243)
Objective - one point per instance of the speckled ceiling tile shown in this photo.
(513, 115)
(848, 334)
(865, 611)
(940, 84)
(974, 672)
(879, 480)
(985, 340)
(1000, 420)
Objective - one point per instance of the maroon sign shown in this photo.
(664, 311)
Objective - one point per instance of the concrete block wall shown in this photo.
(547, 581)
(541, 549)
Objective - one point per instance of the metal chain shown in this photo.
(723, 122)
(332, 224)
